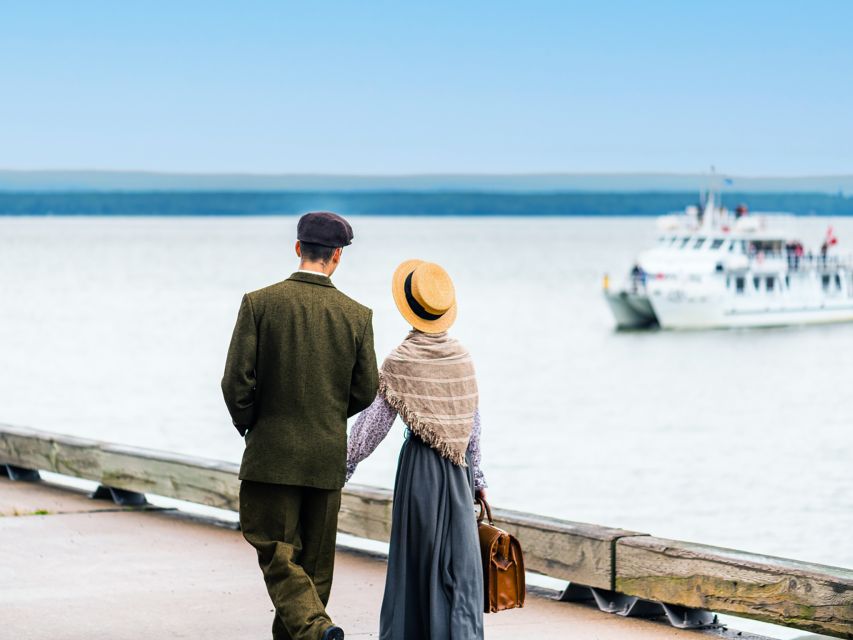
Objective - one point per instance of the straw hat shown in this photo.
(425, 296)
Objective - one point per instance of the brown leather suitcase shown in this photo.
(503, 565)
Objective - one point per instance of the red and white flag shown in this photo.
(831, 239)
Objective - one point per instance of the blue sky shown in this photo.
(761, 88)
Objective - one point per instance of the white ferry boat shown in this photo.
(713, 268)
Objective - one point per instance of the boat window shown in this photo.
(756, 283)
(740, 284)
(770, 283)
(824, 280)
(838, 281)
(699, 243)
(673, 240)
(684, 242)
(717, 243)
(787, 282)
(731, 246)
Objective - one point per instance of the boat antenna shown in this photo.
(717, 188)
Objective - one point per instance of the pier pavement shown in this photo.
(76, 568)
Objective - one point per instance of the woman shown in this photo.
(434, 586)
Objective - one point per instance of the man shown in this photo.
(301, 361)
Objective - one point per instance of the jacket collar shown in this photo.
(312, 278)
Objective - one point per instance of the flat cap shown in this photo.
(324, 228)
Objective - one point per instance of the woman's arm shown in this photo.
(369, 430)
(474, 453)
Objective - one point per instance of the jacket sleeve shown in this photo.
(365, 375)
(238, 382)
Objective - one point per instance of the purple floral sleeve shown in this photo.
(374, 423)
(371, 427)
(474, 453)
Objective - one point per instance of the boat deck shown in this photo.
(72, 567)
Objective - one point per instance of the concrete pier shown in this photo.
(76, 568)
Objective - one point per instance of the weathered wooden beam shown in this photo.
(788, 592)
(797, 594)
(573, 551)
(208, 482)
(366, 512)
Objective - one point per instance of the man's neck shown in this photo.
(315, 267)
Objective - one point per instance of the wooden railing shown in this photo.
(626, 571)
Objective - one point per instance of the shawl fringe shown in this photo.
(416, 426)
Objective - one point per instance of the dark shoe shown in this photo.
(333, 633)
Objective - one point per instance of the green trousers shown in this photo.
(293, 530)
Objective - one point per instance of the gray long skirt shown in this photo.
(434, 586)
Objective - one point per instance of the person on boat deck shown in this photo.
(638, 277)
(434, 585)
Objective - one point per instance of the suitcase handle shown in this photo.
(484, 509)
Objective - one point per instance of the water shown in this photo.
(117, 328)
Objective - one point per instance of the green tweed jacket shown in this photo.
(301, 361)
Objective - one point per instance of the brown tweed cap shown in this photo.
(324, 228)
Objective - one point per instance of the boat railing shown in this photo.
(820, 263)
(637, 282)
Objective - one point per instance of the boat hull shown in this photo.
(717, 314)
(631, 310)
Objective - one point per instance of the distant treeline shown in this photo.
(233, 203)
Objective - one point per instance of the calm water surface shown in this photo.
(117, 329)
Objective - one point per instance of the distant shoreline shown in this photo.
(400, 203)
(93, 180)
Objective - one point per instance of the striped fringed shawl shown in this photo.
(429, 379)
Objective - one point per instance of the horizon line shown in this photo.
(427, 174)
